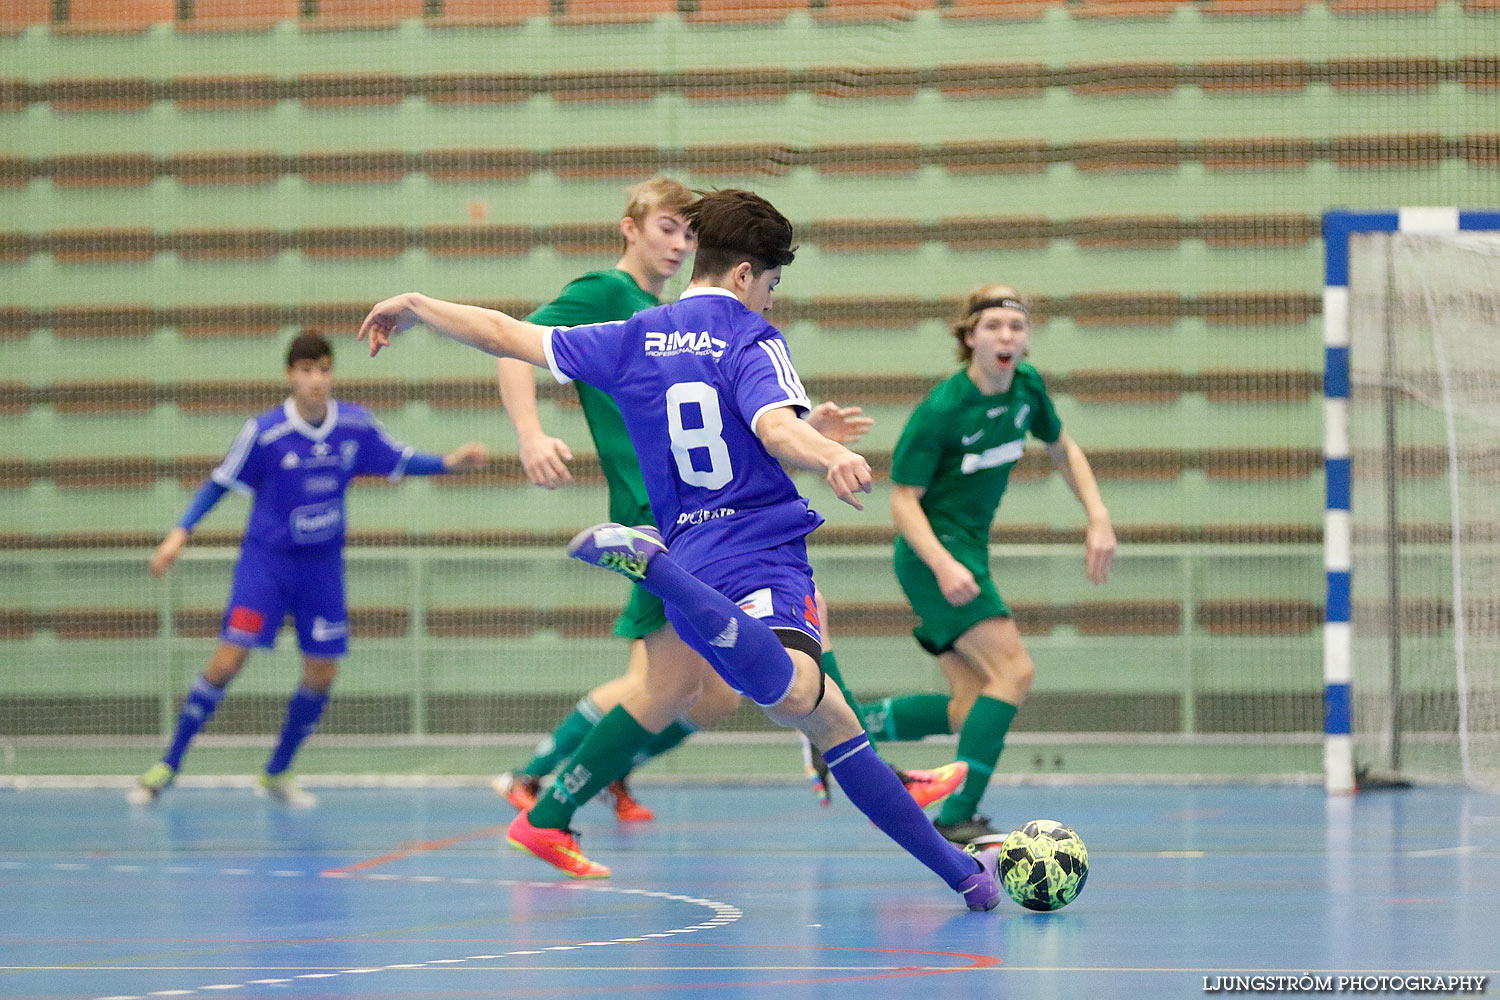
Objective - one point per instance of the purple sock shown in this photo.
(302, 714)
(753, 658)
(878, 793)
(197, 709)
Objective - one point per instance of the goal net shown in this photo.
(1424, 426)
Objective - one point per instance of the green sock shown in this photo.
(907, 717)
(602, 757)
(663, 741)
(830, 665)
(979, 746)
(565, 739)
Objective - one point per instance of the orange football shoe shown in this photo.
(520, 790)
(936, 785)
(627, 809)
(559, 848)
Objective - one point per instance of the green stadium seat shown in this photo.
(238, 15)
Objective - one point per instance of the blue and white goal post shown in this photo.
(1338, 227)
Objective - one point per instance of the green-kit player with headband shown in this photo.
(949, 472)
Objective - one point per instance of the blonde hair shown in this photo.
(657, 194)
(982, 298)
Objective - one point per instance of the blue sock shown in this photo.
(757, 662)
(202, 699)
(302, 714)
(874, 788)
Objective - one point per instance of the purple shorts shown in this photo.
(268, 585)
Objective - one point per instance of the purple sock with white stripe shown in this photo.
(878, 793)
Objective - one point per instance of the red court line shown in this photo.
(422, 848)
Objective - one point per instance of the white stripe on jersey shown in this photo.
(786, 375)
(227, 474)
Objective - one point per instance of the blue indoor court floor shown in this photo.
(731, 892)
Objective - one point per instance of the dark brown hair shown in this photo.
(309, 345)
(735, 226)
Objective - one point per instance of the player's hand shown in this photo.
(1099, 550)
(957, 583)
(466, 456)
(388, 319)
(167, 552)
(545, 460)
(849, 474)
(844, 424)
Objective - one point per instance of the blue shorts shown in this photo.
(269, 584)
(774, 585)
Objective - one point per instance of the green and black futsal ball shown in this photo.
(1043, 865)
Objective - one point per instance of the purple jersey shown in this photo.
(299, 473)
(691, 379)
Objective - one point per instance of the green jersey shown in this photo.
(600, 297)
(960, 445)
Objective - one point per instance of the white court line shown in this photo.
(724, 913)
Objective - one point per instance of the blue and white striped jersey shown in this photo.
(692, 378)
(299, 473)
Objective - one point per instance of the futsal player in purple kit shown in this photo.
(297, 461)
(713, 405)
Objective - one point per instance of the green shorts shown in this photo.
(643, 615)
(940, 622)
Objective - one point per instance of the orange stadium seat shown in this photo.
(740, 12)
(1126, 8)
(488, 13)
(1254, 8)
(584, 12)
(18, 15)
(339, 15)
(870, 10)
(998, 10)
(1383, 6)
(115, 16)
(239, 15)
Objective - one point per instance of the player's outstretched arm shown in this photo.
(844, 424)
(1099, 540)
(543, 456)
(791, 440)
(167, 552)
(472, 455)
(953, 578)
(488, 330)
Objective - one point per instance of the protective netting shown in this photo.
(1425, 442)
(191, 182)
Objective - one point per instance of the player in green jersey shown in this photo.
(656, 241)
(948, 474)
